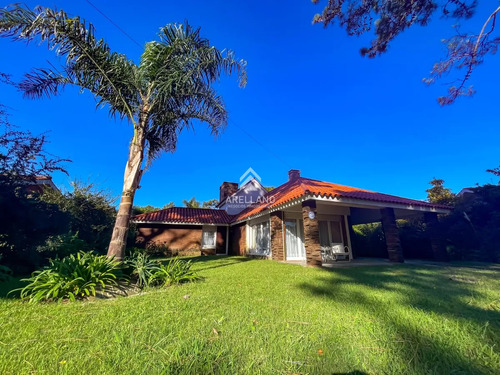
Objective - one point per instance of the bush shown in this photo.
(5, 272)
(91, 212)
(62, 245)
(176, 271)
(144, 271)
(156, 249)
(141, 268)
(73, 277)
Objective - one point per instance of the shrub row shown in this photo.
(78, 276)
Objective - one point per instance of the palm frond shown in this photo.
(89, 62)
(43, 82)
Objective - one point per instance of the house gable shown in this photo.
(247, 195)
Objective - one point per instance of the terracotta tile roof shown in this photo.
(185, 215)
(301, 187)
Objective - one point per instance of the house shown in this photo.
(40, 183)
(302, 220)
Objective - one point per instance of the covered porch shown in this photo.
(317, 232)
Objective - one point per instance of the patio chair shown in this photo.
(339, 251)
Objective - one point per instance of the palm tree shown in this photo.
(162, 95)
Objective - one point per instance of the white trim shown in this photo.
(300, 243)
(270, 238)
(176, 223)
(348, 233)
(348, 202)
(251, 237)
(353, 202)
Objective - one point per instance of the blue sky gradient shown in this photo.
(312, 103)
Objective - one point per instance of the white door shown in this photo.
(294, 240)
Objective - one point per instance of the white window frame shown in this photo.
(209, 229)
(252, 230)
(300, 229)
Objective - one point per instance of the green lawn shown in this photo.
(262, 317)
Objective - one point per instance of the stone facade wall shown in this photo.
(311, 235)
(277, 245)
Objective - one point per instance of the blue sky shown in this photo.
(312, 103)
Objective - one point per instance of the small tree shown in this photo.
(440, 194)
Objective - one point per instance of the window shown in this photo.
(330, 232)
(259, 238)
(209, 237)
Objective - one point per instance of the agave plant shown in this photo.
(73, 277)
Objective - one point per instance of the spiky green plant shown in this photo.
(176, 271)
(141, 268)
(73, 277)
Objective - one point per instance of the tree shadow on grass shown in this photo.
(11, 284)
(217, 261)
(428, 290)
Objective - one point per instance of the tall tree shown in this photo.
(212, 203)
(192, 203)
(169, 205)
(440, 194)
(389, 18)
(162, 95)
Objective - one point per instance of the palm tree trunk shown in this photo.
(132, 177)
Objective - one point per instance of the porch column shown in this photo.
(311, 234)
(277, 248)
(437, 241)
(391, 233)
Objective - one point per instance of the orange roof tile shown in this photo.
(185, 215)
(302, 187)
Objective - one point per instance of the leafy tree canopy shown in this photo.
(389, 18)
(440, 194)
(192, 203)
(212, 203)
(23, 156)
(137, 210)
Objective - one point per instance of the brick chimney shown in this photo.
(227, 189)
(293, 174)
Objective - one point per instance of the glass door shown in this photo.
(294, 240)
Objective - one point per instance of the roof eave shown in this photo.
(351, 202)
(176, 222)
